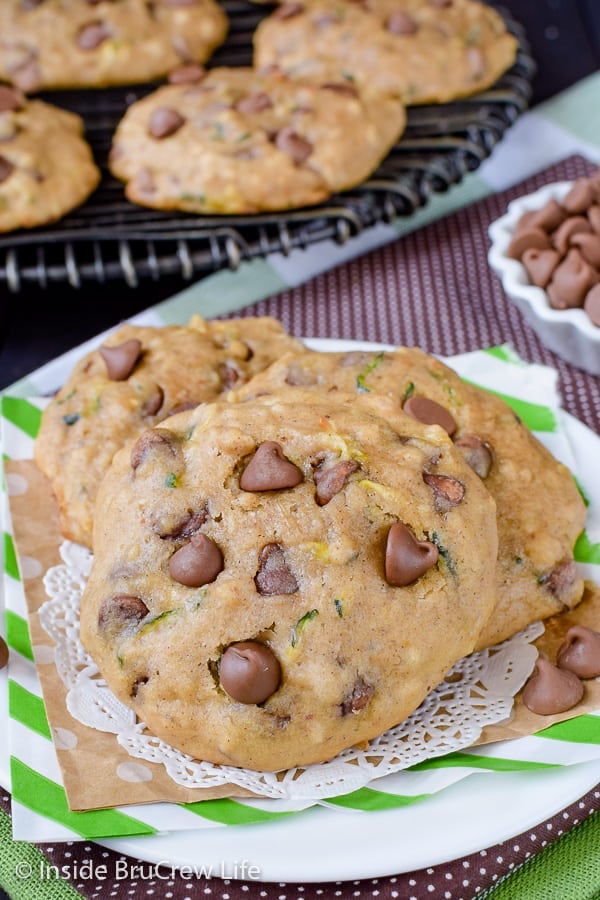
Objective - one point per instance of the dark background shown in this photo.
(38, 324)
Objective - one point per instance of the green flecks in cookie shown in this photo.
(361, 387)
(301, 624)
(339, 607)
(171, 480)
(445, 554)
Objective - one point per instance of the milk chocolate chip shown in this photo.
(270, 470)
(406, 558)
(358, 698)
(579, 198)
(93, 34)
(121, 610)
(561, 238)
(429, 412)
(120, 360)
(551, 690)
(589, 247)
(525, 238)
(591, 304)
(3, 653)
(186, 527)
(6, 168)
(477, 453)
(274, 575)
(297, 148)
(249, 672)
(540, 265)
(330, 481)
(152, 439)
(11, 99)
(549, 217)
(254, 103)
(188, 74)
(197, 562)
(571, 281)
(447, 491)
(164, 122)
(400, 22)
(580, 652)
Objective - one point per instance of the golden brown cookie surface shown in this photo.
(135, 379)
(46, 165)
(75, 43)
(420, 51)
(279, 579)
(540, 511)
(237, 141)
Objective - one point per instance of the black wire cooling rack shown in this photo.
(110, 238)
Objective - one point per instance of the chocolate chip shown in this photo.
(27, 76)
(540, 265)
(591, 304)
(120, 360)
(229, 375)
(186, 527)
(164, 122)
(550, 690)
(91, 35)
(580, 652)
(579, 198)
(288, 11)
(119, 611)
(429, 412)
(447, 491)
(400, 22)
(330, 481)
(549, 217)
(571, 281)
(340, 87)
(561, 578)
(407, 558)
(154, 402)
(270, 470)
(3, 653)
(249, 672)
(11, 99)
(197, 562)
(191, 73)
(561, 238)
(477, 453)
(589, 247)
(6, 168)
(525, 238)
(137, 684)
(254, 103)
(152, 439)
(274, 576)
(293, 144)
(358, 698)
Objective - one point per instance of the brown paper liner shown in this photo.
(89, 768)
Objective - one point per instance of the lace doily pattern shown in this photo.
(478, 691)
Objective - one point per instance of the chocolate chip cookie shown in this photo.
(46, 165)
(276, 580)
(236, 141)
(540, 510)
(86, 43)
(420, 51)
(138, 377)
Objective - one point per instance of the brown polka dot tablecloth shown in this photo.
(431, 288)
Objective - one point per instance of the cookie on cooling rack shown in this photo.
(138, 377)
(85, 43)
(420, 51)
(277, 580)
(46, 165)
(237, 141)
(540, 510)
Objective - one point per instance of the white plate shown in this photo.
(323, 844)
(326, 844)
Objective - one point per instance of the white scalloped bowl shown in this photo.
(570, 332)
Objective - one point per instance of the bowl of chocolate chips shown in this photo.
(546, 251)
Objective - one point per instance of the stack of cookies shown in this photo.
(321, 107)
(287, 568)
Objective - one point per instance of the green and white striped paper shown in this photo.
(40, 808)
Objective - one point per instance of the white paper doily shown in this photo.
(478, 691)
